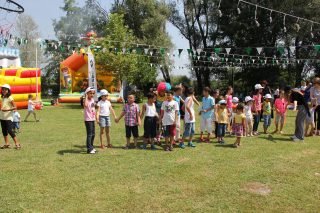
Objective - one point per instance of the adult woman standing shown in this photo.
(315, 99)
(293, 95)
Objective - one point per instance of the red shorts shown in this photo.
(169, 131)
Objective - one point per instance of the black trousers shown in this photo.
(90, 127)
(317, 117)
(7, 128)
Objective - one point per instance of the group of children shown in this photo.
(164, 111)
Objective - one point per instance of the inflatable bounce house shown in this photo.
(74, 79)
(23, 81)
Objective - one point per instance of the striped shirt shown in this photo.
(131, 113)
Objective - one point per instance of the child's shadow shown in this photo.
(225, 146)
(275, 140)
(71, 151)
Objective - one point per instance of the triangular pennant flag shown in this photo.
(68, 46)
(198, 57)
(124, 50)
(317, 48)
(217, 50)
(59, 43)
(265, 61)
(180, 51)
(151, 52)
(281, 50)
(199, 51)
(162, 51)
(168, 54)
(228, 50)
(248, 50)
(292, 49)
(259, 50)
(146, 50)
(138, 50)
(79, 45)
(190, 52)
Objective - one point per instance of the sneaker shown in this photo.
(182, 146)
(222, 142)
(92, 152)
(190, 144)
(295, 139)
(167, 149)
(144, 146)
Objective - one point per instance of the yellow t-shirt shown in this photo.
(238, 118)
(6, 104)
(222, 116)
(266, 108)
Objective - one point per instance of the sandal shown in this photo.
(18, 146)
(6, 146)
(109, 146)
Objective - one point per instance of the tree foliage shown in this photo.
(206, 25)
(118, 58)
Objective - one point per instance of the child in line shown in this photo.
(266, 112)
(16, 119)
(160, 98)
(228, 99)
(215, 96)
(90, 118)
(179, 100)
(169, 117)
(249, 116)
(104, 108)
(206, 112)
(235, 102)
(222, 117)
(189, 119)
(256, 107)
(310, 124)
(239, 123)
(280, 105)
(31, 105)
(150, 121)
(7, 106)
(131, 113)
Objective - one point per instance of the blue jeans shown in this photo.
(256, 120)
(188, 130)
(90, 127)
(221, 130)
(266, 120)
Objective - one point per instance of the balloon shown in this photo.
(37, 106)
(162, 87)
(168, 87)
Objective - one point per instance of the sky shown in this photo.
(45, 11)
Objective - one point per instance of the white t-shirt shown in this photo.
(247, 111)
(104, 107)
(169, 109)
(16, 117)
(187, 115)
(30, 105)
(151, 110)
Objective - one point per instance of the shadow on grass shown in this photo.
(225, 146)
(276, 139)
(72, 106)
(71, 151)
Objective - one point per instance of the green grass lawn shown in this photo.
(52, 173)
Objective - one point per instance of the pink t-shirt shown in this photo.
(229, 101)
(281, 105)
(90, 111)
(257, 103)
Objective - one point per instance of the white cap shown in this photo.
(222, 102)
(235, 100)
(104, 92)
(248, 98)
(89, 89)
(6, 86)
(258, 86)
(268, 96)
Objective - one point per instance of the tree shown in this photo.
(30, 52)
(118, 57)
(69, 30)
(147, 19)
(208, 25)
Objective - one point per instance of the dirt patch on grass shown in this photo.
(182, 160)
(317, 174)
(257, 188)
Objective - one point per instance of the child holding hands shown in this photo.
(104, 108)
(131, 114)
(239, 123)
